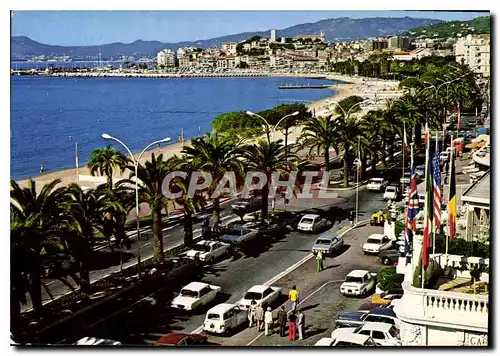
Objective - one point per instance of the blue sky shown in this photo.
(100, 27)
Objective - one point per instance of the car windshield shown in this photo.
(374, 241)
(322, 242)
(189, 293)
(236, 232)
(213, 316)
(390, 189)
(374, 181)
(353, 279)
(393, 332)
(306, 221)
(344, 343)
(202, 248)
(253, 295)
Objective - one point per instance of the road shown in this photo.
(145, 322)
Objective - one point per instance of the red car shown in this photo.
(181, 339)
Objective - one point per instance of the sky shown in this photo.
(101, 27)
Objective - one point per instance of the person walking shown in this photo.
(268, 321)
(282, 317)
(252, 313)
(319, 261)
(259, 315)
(293, 295)
(292, 327)
(301, 319)
(41, 169)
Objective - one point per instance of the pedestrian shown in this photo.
(268, 320)
(282, 317)
(319, 261)
(292, 327)
(293, 295)
(252, 310)
(259, 315)
(41, 169)
(301, 320)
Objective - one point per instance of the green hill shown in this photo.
(448, 29)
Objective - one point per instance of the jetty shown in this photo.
(306, 86)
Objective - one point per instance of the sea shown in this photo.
(50, 115)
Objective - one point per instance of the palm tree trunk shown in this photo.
(346, 171)
(188, 226)
(84, 268)
(216, 212)
(418, 135)
(157, 235)
(327, 158)
(265, 201)
(36, 290)
(15, 311)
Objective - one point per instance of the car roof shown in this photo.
(206, 243)
(221, 308)
(349, 336)
(382, 311)
(376, 236)
(310, 216)
(325, 236)
(377, 179)
(372, 325)
(391, 187)
(357, 273)
(240, 228)
(175, 338)
(258, 288)
(195, 286)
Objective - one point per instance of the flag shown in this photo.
(405, 141)
(428, 211)
(426, 134)
(436, 184)
(413, 201)
(408, 234)
(458, 116)
(452, 207)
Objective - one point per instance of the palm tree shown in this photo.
(409, 108)
(268, 157)
(104, 161)
(151, 176)
(36, 222)
(318, 133)
(375, 128)
(215, 154)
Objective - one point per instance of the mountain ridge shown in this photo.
(335, 29)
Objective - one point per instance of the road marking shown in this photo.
(197, 331)
(289, 269)
(48, 284)
(146, 244)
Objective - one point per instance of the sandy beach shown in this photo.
(350, 86)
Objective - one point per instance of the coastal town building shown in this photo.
(166, 58)
(229, 48)
(313, 38)
(273, 36)
(398, 43)
(475, 52)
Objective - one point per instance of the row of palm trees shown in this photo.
(70, 219)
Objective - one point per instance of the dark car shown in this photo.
(181, 339)
(181, 267)
(247, 205)
(389, 257)
(56, 265)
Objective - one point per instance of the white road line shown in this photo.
(48, 284)
(146, 244)
(197, 331)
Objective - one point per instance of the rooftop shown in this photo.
(195, 286)
(221, 308)
(357, 273)
(258, 288)
(479, 192)
(371, 325)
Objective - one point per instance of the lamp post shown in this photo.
(273, 127)
(136, 164)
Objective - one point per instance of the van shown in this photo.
(223, 318)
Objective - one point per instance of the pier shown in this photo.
(305, 86)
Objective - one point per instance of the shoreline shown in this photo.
(321, 107)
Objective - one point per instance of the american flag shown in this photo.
(436, 177)
(413, 201)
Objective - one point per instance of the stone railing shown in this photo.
(440, 308)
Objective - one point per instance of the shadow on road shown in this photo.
(309, 307)
(341, 250)
(106, 259)
(311, 331)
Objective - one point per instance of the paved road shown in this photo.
(148, 320)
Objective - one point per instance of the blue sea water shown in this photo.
(50, 114)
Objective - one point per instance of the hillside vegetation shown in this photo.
(479, 25)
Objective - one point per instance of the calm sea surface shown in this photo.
(50, 114)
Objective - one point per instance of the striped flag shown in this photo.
(413, 207)
(458, 116)
(405, 141)
(428, 210)
(452, 206)
(436, 184)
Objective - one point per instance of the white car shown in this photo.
(382, 333)
(391, 193)
(224, 317)
(94, 341)
(208, 251)
(358, 282)
(194, 295)
(376, 184)
(345, 337)
(312, 222)
(376, 243)
(261, 294)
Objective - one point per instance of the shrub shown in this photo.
(386, 278)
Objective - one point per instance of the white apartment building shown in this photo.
(185, 51)
(229, 48)
(474, 51)
(273, 36)
(166, 58)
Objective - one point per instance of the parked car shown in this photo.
(56, 265)
(444, 156)
(181, 267)
(405, 180)
(94, 341)
(392, 192)
(223, 318)
(261, 294)
(420, 171)
(389, 257)
(247, 205)
(376, 184)
(385, 298)
(194, 295)
(238, 235)
(312, 223)
(181, 339)
(354, 319)
(208, 251)
(327, 244)
(382, 333)
(376, 243)
(347, 338)
(358, 282)
(378, 218)
(366, 307)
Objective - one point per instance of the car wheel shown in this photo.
(386, 261)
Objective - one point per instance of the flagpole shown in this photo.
(357, 183)
(449, 192)
(426, 212)
(403, 152)
(434, 228)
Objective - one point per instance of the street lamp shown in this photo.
(268, 125)
(136, 164)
